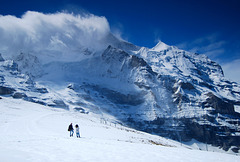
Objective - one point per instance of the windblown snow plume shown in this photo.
(57, 35)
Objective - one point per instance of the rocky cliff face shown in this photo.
(163, 90)
(205, 100)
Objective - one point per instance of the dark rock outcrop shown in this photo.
(6, 90)
(1, 58)
(59, 104)
(18, 95)
(220, 105)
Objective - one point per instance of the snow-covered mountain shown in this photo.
(163, 90)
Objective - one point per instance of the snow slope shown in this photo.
(32, 132)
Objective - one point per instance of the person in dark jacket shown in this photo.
(70, 129)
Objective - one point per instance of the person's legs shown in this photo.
(71, 133)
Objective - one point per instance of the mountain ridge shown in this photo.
(162, 90)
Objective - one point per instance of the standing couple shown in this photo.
(71, 130)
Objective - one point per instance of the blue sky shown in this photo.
(211, 27)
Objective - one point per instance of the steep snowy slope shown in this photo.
(31, 132)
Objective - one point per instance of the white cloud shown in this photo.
(232, 70)
(117, 30)
(209, 45)
(58, 34)
(157, 35)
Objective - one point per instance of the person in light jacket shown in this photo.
(77, 131)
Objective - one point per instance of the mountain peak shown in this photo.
(160, 46)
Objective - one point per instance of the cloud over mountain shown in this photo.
(56, 34)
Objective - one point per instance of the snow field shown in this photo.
(32, 132)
